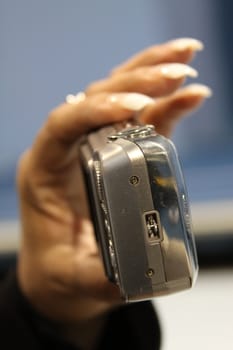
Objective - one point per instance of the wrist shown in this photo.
(83, 334)
(59, 304)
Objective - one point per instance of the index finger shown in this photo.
(56, 143)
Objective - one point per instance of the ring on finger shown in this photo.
(75, 99)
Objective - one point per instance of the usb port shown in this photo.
(152, 226)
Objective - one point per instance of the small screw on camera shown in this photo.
(134, 180)
(149, 273)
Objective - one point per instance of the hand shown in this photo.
(59, 267)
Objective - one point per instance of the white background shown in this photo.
(201, 318)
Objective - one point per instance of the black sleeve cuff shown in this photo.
(133, 326)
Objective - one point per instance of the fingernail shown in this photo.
(132, 101)
(178, 70)
(187, 43)
(199, 89)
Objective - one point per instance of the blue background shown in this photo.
(51, 48)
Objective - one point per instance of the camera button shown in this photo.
(142, 132)
(133, 132)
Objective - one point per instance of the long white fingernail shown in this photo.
(187, 43)
(178, 70)
(132, 101)
(199, 89)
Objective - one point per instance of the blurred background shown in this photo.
(51, 48)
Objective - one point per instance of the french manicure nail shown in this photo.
(187, 43)
(178, 70)
(199, 89)
(132, 101)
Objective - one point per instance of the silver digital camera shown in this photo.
(139, 207)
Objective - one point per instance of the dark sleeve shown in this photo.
(135, 325)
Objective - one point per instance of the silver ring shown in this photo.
(75, 99)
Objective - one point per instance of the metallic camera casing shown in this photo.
(139, 206)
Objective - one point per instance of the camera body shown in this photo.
(139, 206)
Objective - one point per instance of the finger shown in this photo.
(179, 50)
(69, 121)
(157, 80)
(167, 111)
(56, 143)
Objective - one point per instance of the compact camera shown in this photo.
(139, 206)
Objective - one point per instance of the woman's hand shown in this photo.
(59, 267)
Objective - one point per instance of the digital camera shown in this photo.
(139, 207)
